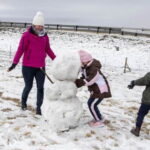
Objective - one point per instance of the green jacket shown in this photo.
(145, 81)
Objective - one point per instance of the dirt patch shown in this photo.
(133, 108)
(6, 122)
(96, 148)
(32, 125)
(27, 134)
(17, 77)
(88, 135)
(76, 139)
(111, 127)
(106, 122)
(6, 110)
(17, 128)
(17, 101)
(11, 118)
(22, 116)
(30, 108)
(15, 117)
(1, 94)
(93, 132)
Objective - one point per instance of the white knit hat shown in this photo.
(38, 19)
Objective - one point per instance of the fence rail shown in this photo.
(96, 29)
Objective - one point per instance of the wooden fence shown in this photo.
(96, 29)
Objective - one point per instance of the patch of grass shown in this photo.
(6, 109)
(17, 77)
(17, 128)
(93, 132)
(87, 135)
(1, 94)
(27, 134)
(11, 118)
(75, 139)
(32, 125)
(96, 148)
(16, 100)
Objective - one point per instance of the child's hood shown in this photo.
(96, 63)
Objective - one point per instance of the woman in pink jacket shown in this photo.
(34, 46)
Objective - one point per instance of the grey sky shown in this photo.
(119, 13)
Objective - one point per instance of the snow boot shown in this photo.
(91, 122)
(97, 124)
(136, 131)
(38, 111)
(24, 106)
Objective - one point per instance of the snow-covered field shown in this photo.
(26, 131)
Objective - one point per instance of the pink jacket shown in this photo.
(34, 50)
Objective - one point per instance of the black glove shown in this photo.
(79, 83)
(131, 85)
(12, 67)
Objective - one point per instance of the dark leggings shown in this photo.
(29, 73)
(143, 111)
(92, 104)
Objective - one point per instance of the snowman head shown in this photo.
(66, 66)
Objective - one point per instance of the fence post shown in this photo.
(76, 28)
(110, 30)
(11, 24)
(25, 25)
(98, 29)
(57, 26)
(126, 66)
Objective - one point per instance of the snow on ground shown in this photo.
(26, 131)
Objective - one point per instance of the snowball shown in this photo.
(66, 67)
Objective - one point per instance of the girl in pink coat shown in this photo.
(34, 46)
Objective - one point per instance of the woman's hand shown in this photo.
(11, 67)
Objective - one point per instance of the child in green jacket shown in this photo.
(145, 105)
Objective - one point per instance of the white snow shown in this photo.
(66, 66)
(26, 131)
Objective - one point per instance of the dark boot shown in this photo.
(136, 131)
(23, 106)
(38, 111)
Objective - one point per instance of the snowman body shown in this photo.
(61, 108)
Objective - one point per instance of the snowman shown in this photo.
(61, 108)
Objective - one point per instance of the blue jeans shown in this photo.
(143, 111)
(29, 73)
(92, 104)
